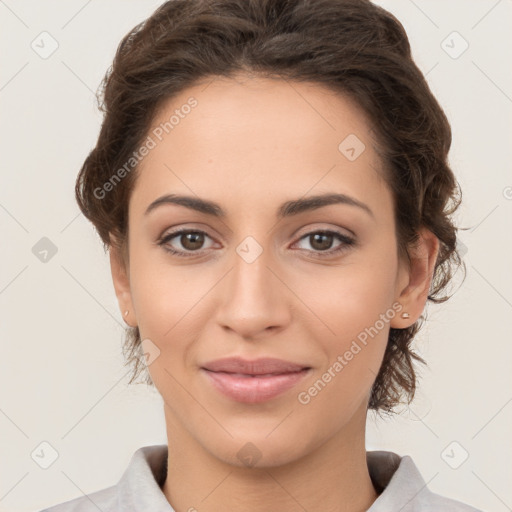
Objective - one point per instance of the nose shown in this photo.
(255, 297)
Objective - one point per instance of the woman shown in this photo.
(271, 182)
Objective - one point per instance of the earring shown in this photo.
(126, 313)
(405, 315)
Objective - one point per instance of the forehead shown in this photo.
(252, 138)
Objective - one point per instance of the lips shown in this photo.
(253, 381)
(263, 366)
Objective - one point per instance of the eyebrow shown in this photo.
(287, 209)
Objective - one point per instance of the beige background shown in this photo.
(61, 375)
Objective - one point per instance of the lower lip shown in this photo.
(252, 390)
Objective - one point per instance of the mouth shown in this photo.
(261, 366)
(253, 381)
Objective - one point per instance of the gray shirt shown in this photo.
(139, 489)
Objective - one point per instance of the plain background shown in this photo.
(62, 378)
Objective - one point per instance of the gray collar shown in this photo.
(401, 486)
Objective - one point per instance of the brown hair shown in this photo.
(354, 48)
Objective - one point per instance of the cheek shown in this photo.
(358, 319)
(164, 293)
(172, 304)
(353, 308)
(347, 299)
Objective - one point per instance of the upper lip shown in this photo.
(255, 367)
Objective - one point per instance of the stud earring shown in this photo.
(405, 315)
(126, 313)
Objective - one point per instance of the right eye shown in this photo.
(190, 239)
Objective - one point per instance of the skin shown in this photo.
(251, 144)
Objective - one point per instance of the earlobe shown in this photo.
(121, 281)
(413, 297)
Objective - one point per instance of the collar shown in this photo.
(396, 477)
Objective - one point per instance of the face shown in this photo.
(255, 276)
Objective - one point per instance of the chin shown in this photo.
(257, 449)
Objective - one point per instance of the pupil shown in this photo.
(318, 236)
(194, 240)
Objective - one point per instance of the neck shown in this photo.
(333, 477)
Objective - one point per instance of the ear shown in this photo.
(414, 283)
(121, 280)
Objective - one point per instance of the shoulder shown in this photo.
(104, 500)
(403, 487)
(139, 488)
(437, 502)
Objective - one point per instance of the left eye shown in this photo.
(321, 241)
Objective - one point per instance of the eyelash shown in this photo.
(347, 242)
